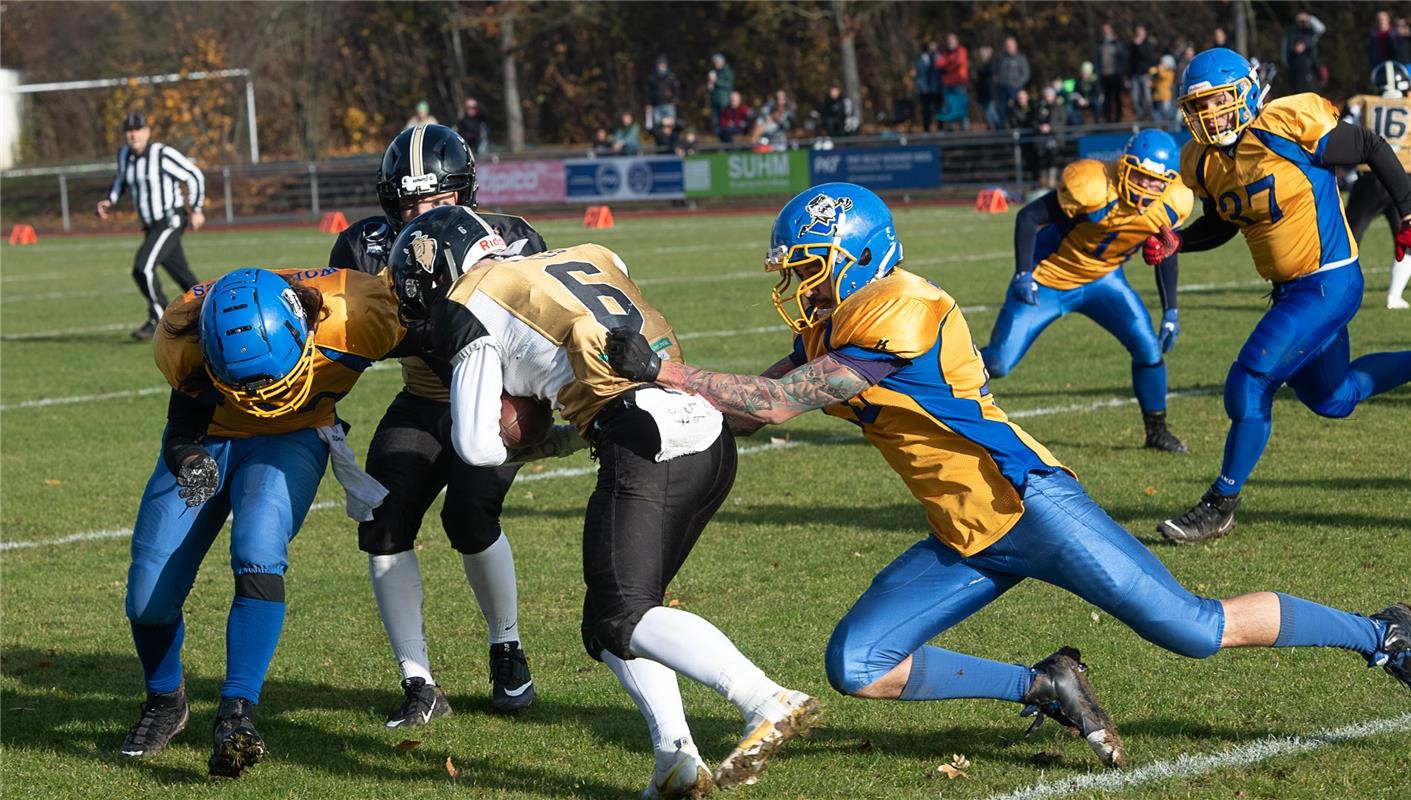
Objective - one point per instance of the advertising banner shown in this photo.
(623, 178)
(738, 174)
(1108, 146)
(512, 183)
(879, 168)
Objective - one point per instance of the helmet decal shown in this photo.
(423, 249)
(823, 214)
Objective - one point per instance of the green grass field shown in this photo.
(1327, 516)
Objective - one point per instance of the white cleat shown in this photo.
(1396, 303)
(682, 774)
(784, 716)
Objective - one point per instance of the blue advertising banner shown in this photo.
(1108, 146)
(623, 178)
(879, 168)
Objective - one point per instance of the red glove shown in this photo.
(1165, 244)
(1403, 239)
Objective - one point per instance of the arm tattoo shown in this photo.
(819, 383)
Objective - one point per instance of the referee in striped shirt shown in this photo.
(155, 175)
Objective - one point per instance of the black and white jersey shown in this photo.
(160, 180)
(366, 245)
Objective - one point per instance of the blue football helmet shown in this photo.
(1220, 96)
(1152, 155)
(257, 342)
(837, 231)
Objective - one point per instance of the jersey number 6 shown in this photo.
(610, 306)
(1232, 210)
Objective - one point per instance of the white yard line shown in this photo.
(45, 402)
(54, 334)
(1188, 766)
(573, 472)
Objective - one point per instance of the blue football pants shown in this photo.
(1112, 303)
(267, 483)
(1301, 341)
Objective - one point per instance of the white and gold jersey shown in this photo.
(1389, 118)
(546, 318)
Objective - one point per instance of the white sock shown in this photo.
(491, 576)
(1400, 276)
(396, 584)
(653, 688)
(697, 649)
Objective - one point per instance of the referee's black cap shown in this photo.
(134, 121)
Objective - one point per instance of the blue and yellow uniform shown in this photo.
(1088, 231)
(1276, 185)
(269, 471)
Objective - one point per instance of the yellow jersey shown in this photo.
(1389, 118)
(358, 326)
(1101, 230)
(933, 418)
(1273, 185)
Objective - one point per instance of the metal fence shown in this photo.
(63, 197)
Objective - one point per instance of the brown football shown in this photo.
(524, 420)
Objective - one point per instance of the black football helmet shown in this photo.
(1391, 79)
(425, 160)
(432, 251)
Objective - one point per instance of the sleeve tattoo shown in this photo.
(819, 383)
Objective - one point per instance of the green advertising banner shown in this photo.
(737, 174)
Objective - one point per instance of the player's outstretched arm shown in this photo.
(743, 426)
(825, 381)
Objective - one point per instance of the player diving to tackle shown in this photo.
(891, 352)
(1069, 248)
(256, 362)
(1387, 114)
(1267, 171)
(428, 166)
(536, 326)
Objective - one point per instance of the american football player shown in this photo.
(256, 361)
(428, 166)
(536, 326)
(1388, 114)
(891, 352)
(1069, 248)
(1267, 171)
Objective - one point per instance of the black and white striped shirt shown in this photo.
(156, 179)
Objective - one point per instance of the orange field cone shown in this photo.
(333, 222)
(991, 200)
(23, 234)
(597, 217)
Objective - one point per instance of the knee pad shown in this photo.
(613, 634)
(143, 611)
(841, 664)
(379, 537)
(1333, 406)
(1248, 395)
(994, 365)
(470, 526)
(266, 586)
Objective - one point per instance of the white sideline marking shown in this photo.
(1188, 766)
(571, 472)
(44, 402)
(20, 337)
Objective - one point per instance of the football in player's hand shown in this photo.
(524, 420)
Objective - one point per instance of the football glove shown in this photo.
(1170, 329)
(1024, 288)
(1162, 246)
(198, 479)
(631, 356)
(562, 440)
(1403, 239)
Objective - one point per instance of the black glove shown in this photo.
(198, 478)
(631, 356)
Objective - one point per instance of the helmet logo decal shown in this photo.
(423, 249)
(292, 300)
(823, 214)
(419, 184)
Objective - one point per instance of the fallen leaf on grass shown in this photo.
(673, 603)
(1096, 616)
(1150, 490)
(950, 772)
(778, 441)
(959, 761)
(408, 745)
(451, 769)
(53, 482)
(537, 468)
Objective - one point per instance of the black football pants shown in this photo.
(161, 244)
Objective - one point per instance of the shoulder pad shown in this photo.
(1301, 118)
(1180, 201)
(1191, 153)
(523, 240)
(364, 246)
(889, 321)
(1084, 188)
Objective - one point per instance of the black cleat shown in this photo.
(146, 332)
(513, 686)
(1394, 652)
(1212, 517)
(237, 745)
(164, 715)
(1061, 690)
(1159, 437)
(423, 703)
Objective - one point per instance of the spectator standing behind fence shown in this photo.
(662, 92)
(953, 69)
(1011, 72)
(928, 84)
(474, 127)
(839, 116)
(1303, 70)
(602, 142)
(1141, 57)
(1381, 44)
(985, 87)
(1163, 80)
(422, 116)
(1111, 62)
(154, 175)
(781, 102)
(1401, 42)
(667, 136)
(1306, 28)
(627, 139)
(720, 82)
(1084, 96)
(736, 118)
